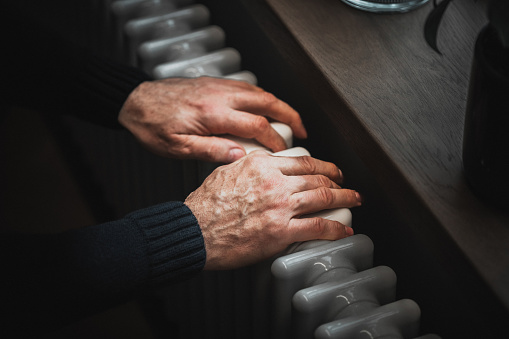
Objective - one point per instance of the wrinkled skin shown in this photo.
(179, 117)
(250, 210)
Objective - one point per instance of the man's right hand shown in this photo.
(252, 209)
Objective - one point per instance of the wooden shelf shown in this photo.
(401, 107)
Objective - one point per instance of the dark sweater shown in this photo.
(51, 280)
(43, 70)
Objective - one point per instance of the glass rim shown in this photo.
(385, 6)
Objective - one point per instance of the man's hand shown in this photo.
(178, 117)
(253, 208)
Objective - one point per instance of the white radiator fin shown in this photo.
(181, 47)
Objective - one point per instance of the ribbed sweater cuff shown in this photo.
(176, 248)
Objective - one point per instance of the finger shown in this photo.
(249, 126)
(306, 229)
(235, 83)
(266, 104)
(271, 139)
(307, 165)
(323, 198)
(311, 182)
(207, 148)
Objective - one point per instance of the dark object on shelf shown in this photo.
(486, 135)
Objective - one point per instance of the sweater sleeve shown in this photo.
(42, 70)
(51, 280)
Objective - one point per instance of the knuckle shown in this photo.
(260, 123)
(268, 98)
(212, 151)
(323, 181)
(337, 231)
(274, 221)
(318, 226)
(175, 144)
(325, 195)
(255, 160)
(308, 164)
(257, 156)
(252, 158)
(350, 196)
(185, 151)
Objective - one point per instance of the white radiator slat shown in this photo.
(215, 64)
(283, 130)
(399, 319)
(164, 23)
(121, 11)
(243, 76)
(333, 300)
(185, 46)
(299, 270)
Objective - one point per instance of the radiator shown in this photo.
(315, 289)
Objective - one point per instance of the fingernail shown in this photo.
(358, 197)
(349, 231)
(305, 134)
(340, 176)
(235, 154)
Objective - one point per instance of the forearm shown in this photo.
(52, 280)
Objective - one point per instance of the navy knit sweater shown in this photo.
(51, 280)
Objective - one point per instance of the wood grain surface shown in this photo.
(401, 106)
